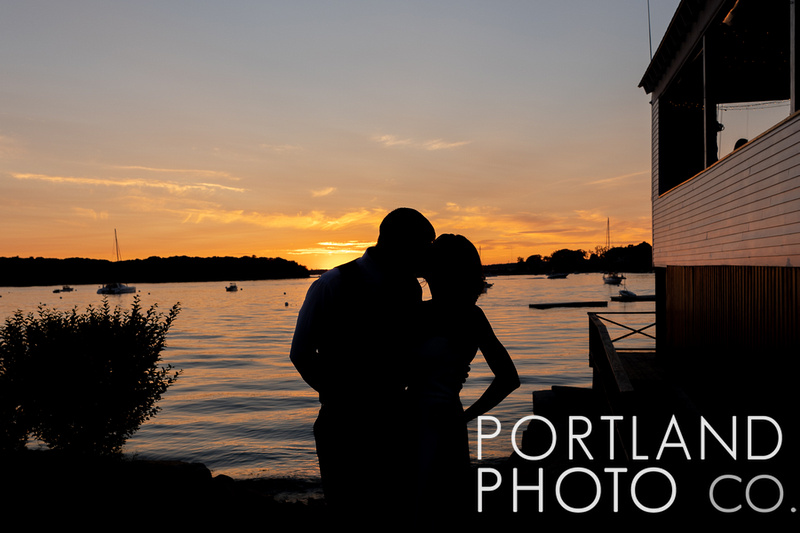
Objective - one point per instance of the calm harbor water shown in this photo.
(240, 407)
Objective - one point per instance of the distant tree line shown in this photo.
(19, 272)
(631, 258)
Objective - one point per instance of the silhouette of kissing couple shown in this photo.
(391, 434)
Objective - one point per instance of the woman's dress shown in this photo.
(441, 444)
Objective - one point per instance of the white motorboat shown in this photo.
(115, 288)
(612, 278)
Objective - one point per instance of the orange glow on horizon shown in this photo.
(226, 138)
(496, 246)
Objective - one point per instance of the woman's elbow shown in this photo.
(511, 382)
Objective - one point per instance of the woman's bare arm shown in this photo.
(506, 378)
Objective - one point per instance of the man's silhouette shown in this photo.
(354, 333)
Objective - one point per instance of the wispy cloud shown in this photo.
(439, 144)
(476, 221)
(90, 213)
(453, 207)
(525, 233)
(390, 141)
(184, 171)
(617, 179)
(312, 220)
(170, 186)
(591, 216)
(322, 192)
(334, 248)
(281, 148)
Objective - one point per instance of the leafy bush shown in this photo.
(82, 382)
(13, 427)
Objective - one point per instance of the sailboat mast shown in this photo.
(116, 246)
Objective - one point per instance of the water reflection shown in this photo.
(241, 408)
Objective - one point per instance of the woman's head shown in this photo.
(456, 273)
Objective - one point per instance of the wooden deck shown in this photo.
(546, 305)
(642, 384)
(626, 383)
(656, 409)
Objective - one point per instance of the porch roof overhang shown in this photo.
(743, 46)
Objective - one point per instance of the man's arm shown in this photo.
(304, 352)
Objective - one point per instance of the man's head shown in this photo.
(405, 238)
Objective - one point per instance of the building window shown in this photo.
(741, 64)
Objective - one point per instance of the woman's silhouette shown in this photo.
(454, 328)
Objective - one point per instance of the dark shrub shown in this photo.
(87, 381)
(13, 351)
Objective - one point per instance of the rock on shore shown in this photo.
(49, 487)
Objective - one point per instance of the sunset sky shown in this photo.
(288, 129)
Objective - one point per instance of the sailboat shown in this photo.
(486, 284)
(116, 288)
(611, 278)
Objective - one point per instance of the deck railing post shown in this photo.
(609, 379)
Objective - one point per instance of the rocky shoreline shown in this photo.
(56, 488)
(49, 488)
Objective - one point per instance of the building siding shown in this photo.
(744, 210)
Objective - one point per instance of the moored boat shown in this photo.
(65, 288)
(630, 296)
(115, 288)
